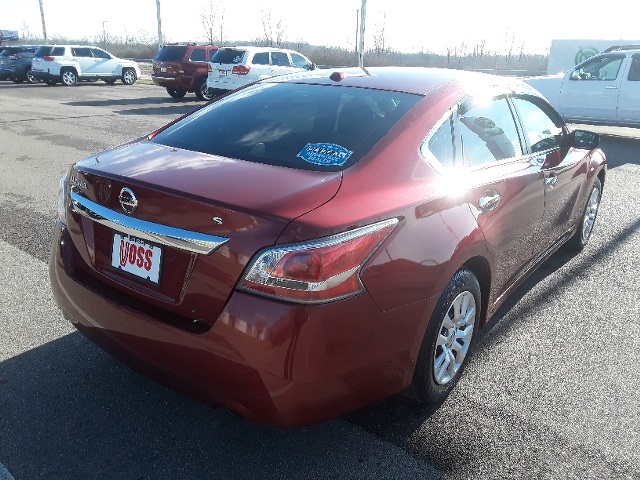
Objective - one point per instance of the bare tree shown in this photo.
(212, 18)
(273, 33)
(380, 37)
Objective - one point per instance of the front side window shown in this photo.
(488, 132)
(542, 132)
(300, 62)
(99, 53)
(601, 68)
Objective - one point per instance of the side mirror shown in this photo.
(575, 75)
(311, 66)
(584, 139)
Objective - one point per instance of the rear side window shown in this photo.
(81, 52)
(228, 55)
(281, 59)
(441, 143)
(488, 132)
(634, 71)
(311, 127)
(171, 53)
(198, 55)
(261, 58)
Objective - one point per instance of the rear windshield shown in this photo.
(171, 53)
(48, 50)
(228, 55)
(311, 127)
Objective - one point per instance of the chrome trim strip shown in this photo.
(187, 240)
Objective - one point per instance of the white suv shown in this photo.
(70, 63)
(233, 67)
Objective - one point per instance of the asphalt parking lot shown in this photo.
(550, 392)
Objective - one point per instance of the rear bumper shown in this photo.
(172, 82)
(44, 76)
(272, 362)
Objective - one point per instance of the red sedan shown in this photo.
(313, 243)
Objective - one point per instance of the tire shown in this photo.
(129, 76)
(583, 233)
(203, 92)
(448, 341)
(30, 78)
(176, 92)
(69, 77)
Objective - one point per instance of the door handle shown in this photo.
(489, 201)
(551, 180)
(611, 88)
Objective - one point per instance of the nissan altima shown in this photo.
(312, 243)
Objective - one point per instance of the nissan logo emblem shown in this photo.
(128, 200)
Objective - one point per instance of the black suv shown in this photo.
(182, 68)
(15, 63)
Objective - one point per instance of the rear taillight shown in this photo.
(240, 69)
(48, 59)
(317, 271)
(209, 67)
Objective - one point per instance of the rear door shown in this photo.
(280, 63)
(629, 99)
(503, 187)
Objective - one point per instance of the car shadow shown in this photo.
(620, 150)
(399, 419)
(71, 411)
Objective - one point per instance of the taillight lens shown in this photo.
(240, 69)
(209, 67)
(48, 59)
(317, 271)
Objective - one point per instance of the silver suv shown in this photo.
(69, 64)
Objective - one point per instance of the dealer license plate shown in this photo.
(137, 257)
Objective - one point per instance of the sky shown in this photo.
(408, 25)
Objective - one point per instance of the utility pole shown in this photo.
(362, 19)
(159, 26)
(44, 27)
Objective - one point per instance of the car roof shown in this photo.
(253, 48)
(416, 80)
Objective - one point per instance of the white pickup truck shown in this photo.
(603, 89)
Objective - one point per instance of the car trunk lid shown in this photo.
(184, 195)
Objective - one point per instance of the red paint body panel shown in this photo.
(280, 362)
